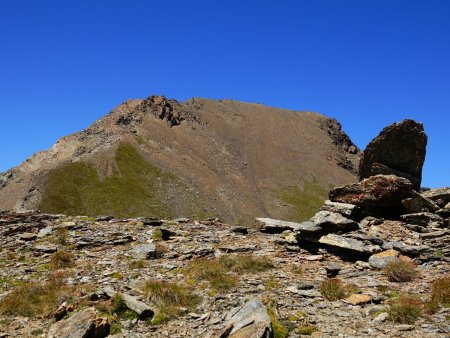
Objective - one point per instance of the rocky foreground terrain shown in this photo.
(373, 261)
(99, 259)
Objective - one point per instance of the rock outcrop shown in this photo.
(379, 195)
(82, 324)
(398, 150)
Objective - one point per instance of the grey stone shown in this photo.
(349, 244)
(270, 225)
(379, 196)
(250, 320)
(27, 236)
(144, 251)
(332, 268)
(382, 317)
(345, 209)
(382, 259)
(332, 222)
(419, 203)
(406, 249)
(143, 310)
(423, 219)
(46, 248)
(44, 232)
(82, 324)
(438, 194)
(305, 285)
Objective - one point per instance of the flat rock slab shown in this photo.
(270, 225)
(348, 243)
(423, 219)
(382, 259)
(81, 325)
(144, 251)
(358, 299)
(411, 250)
(329, 221)
(345, 209)
(27, 236)
(143, 310)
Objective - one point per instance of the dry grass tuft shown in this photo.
(37, 299)
(440, 291)
(245, 263)
(62, 260)
(169, 297)
(406, 309)
(333, 289)
(401, 270)
(212, 271)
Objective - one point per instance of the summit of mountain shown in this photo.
(199, 158)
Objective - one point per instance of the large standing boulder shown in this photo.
(398, 150)
(379, 196)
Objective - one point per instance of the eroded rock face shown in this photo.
(379, 195)
(398, 150)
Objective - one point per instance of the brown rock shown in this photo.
(379, 195)
(398, 150)
(357, 299)
(83, 324)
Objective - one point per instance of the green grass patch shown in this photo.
(333, 289)
(212, 271)
(135, 188)
(304, 202)
(62, 260)
(245, 263)
(401, 270)
(405, 309)
(37, 299)
(169, 298)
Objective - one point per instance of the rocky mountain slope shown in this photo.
(199, 158)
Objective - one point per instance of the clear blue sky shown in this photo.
(63, 64)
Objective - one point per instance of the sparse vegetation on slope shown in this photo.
(401, 270)
(169, 297)
(36, 299)
(304, 202)
(135, 188)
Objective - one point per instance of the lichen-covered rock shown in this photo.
(379, 195)
(398, 150)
